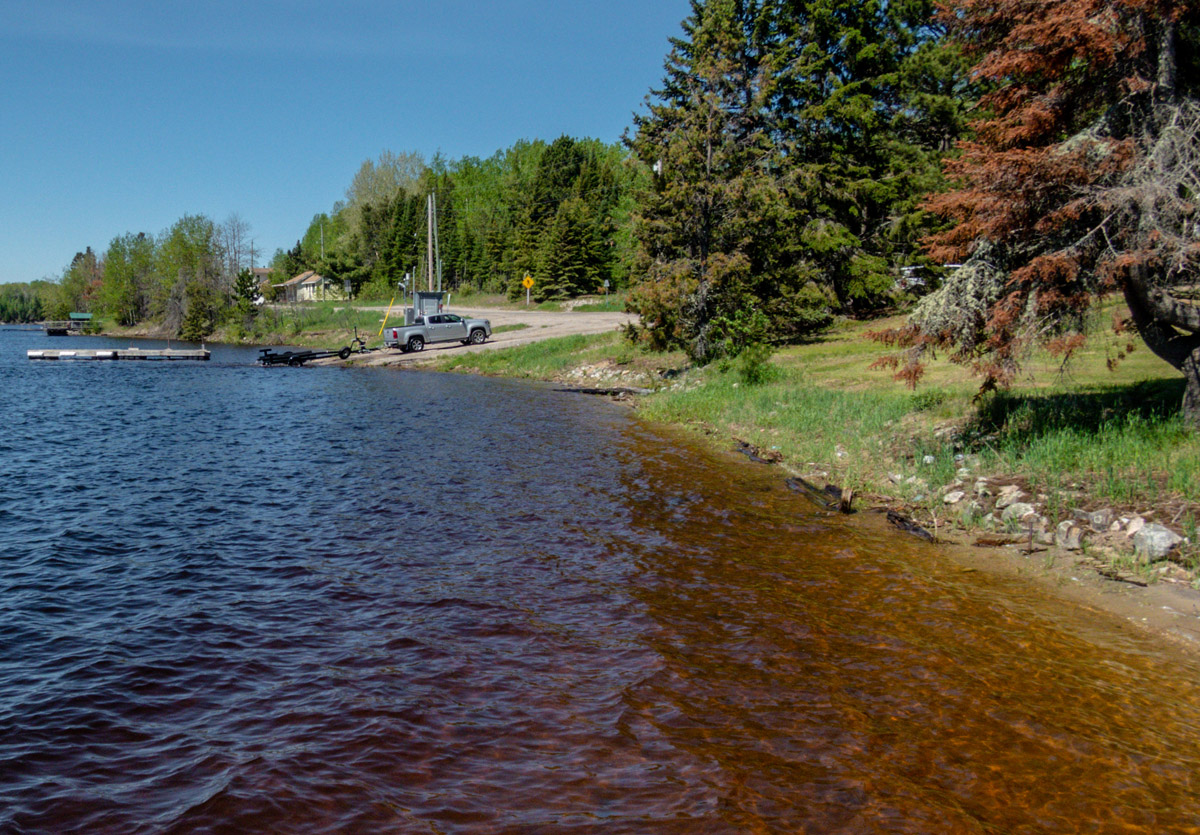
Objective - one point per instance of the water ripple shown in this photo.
(242, 599)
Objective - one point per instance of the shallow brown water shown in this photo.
(295, 618)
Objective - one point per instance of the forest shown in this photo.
(1008, 161)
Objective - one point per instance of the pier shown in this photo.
(194, 354)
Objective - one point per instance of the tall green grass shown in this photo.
(1126, 443)
(539, 360)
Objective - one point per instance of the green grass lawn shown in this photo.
(1114, 435)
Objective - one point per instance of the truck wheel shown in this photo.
(478, 336)
(344, 353)
(416, 343)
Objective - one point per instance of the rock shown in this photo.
(981, 488)
(1115, 527)
(1098, 520)
(1154, 542)
(928, 459)
(963, 472)
(895, 478)
(1046, 538)
(1068, 535)
(954, 498)
(1135, 524)
(1017, 511)
(1009, 494)
(988, 521)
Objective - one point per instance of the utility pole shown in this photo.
(429, 239)
(437, 245)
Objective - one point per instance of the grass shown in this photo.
(1080, 435)
(315, 324)
(611, 303)
(555, 359)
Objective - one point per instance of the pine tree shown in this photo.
(1081, 179)
(711, 225)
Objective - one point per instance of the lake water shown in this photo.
(237, 599)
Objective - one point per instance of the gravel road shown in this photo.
(540, 324)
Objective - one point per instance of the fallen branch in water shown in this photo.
(909, 526)
(830, 497)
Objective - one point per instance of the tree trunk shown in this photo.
(1181, 351)
(1167, 61)
(1191, 395)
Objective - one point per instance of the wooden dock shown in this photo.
(61, 328)
(194, 354)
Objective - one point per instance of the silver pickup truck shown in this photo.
(439, 327)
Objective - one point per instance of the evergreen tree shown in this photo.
(568, 258)
(711, 226)
(1082, 179)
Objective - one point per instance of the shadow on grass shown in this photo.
(1023, 417)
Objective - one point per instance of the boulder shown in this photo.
(954, 497)
(1068, 535)
(1135, 525)
(1017, 511)
(1009, 494)
(1154, 542)
(1098, 520)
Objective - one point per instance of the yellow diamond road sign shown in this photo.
(528, 282)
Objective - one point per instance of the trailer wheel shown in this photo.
(416, 343)
(344, 354)
(478, 336)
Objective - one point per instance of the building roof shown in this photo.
(306, 277)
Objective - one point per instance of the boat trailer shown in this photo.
(295, 359)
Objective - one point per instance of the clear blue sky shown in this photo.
(124, 116)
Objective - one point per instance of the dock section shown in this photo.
(193, 354)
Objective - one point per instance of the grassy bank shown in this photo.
(1081, 438)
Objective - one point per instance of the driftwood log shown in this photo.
(830, 497)
(908, 525)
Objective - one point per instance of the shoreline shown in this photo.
(1168, 607)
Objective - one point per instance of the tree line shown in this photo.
(1048, 149)
(558, 211)
(188, 278)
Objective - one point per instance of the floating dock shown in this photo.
(194, 354)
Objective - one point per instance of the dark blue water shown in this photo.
(240, 599)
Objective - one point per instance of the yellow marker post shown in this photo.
(528, 282)
(386, 315)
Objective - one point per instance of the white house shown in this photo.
(310, 286)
